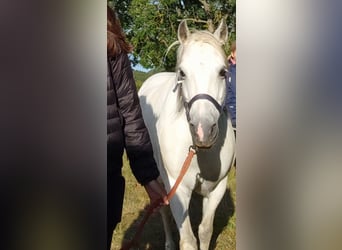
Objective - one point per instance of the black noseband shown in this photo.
(188, 105)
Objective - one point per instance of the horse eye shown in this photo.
(223, 72)
(182, 74)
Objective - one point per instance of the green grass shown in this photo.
(136, 200)
(140, 77)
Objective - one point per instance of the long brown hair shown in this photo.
(116, 39)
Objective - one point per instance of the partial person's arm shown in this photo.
(137, 141)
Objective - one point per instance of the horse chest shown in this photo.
(197, 181)
(204, 187)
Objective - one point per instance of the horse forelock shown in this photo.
(200, 36)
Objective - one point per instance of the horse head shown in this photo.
(201, 68)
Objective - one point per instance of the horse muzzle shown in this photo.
(204, 135)
(204, 131)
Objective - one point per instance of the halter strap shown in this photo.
(188, 105)
(205, 97)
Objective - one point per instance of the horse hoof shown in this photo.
(188, 246)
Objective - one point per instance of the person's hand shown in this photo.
(156, 192)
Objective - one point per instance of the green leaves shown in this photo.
(151, 25)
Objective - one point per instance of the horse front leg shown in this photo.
(210, 204)
(167, 217)
(180, 211)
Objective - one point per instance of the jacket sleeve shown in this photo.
(137, 141)
(231, 93)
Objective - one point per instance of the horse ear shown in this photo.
(221, 33)
(183, 31)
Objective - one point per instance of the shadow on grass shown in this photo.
(152, 237)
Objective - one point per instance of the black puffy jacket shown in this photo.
(125, 130)
(125, 125)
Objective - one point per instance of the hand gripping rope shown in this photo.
(185, 167)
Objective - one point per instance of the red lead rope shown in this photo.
(185, 167)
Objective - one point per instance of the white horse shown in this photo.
(186, 108)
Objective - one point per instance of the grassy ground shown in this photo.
(136, 200)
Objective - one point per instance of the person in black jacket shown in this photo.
(125, 128)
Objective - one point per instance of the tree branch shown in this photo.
(205, 5)
(196, 20)
(207, 10)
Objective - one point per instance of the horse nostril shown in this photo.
(192, 128)
(213, 129)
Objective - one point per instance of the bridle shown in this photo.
(188, 105)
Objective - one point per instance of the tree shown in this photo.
(151, 25)
(121, 7)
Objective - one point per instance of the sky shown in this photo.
(139, 67)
